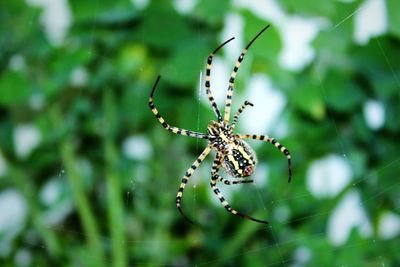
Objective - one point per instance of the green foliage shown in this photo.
(9, 81)
(90, 201)
(393, 18)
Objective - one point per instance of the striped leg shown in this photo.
(240, 110)
(271, 140)
(208, 78)
(185, 179)
(233, 75)
(213, 183)
(166, 125)
(215, 169)
(230, 182)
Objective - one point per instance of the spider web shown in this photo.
(280, 245)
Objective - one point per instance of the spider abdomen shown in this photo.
(240, 160)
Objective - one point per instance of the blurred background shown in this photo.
(88, 177)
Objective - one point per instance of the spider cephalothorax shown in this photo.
(219, 135)
(232, 152)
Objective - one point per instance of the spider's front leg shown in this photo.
(208, 79)
(214, 178)
(229, 95)
(185, 179)
(170, 128)
(240, 110)
(273, 141)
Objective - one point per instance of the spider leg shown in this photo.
(173, 129)
(185, 179)
(271, 140)
(240, 110)
(233, 75)
(213, 183)
(208, 78)
(230, 182)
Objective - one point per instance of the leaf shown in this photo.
(309, 8)
(393, 7)
(14, 88)
(379, 62)
(211, 11)
(308, 98)
(184, 67)
(340, 92)
(163, 27)
(92, 10)
(268, 45)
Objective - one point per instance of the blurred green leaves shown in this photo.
(211, 12)
(88, 96)
(179, 70)
(393, 18)
(14, 88)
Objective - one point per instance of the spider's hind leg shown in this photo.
(185, 179)
(230, 182)
(272, 141)
(213, 183)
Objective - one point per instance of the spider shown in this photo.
(232, 152)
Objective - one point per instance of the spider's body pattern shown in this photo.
(239, 159)
(232, 152)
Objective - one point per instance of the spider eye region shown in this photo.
(240, 161)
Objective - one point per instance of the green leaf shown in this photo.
(309, 8)
(163, 27)
(308, 98)
(184, 67)
(92, 10)
(379, 62)
(211, 11)
(14, 88)
(393, 7)
(268, 45)
(340, 92)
